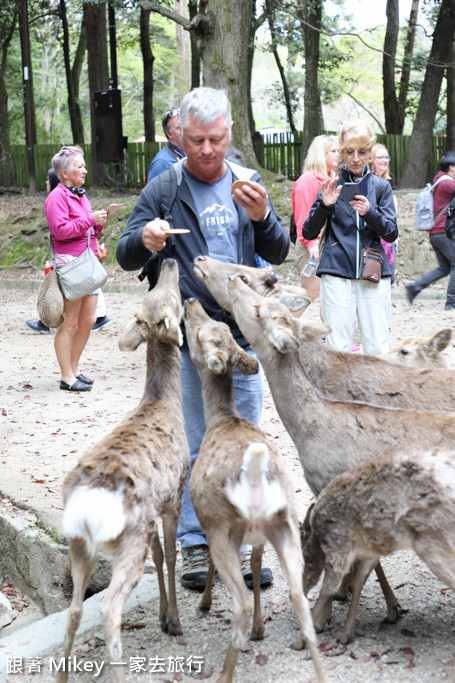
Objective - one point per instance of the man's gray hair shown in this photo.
(206, 105)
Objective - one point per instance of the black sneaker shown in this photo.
(266, 576)
(195, 566)
(37, 326)
(100, 323)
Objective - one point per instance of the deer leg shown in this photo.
(127, 569)
(226, 556)
(286, 542)
(81, 569)
(394, 611)
(157, 553)
(322, 610)
(362, 571)
(257, 631)
(342, 591)
(206, 598)
(170, 523)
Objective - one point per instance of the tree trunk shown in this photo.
(312, 123)
(224, 50)
(284, 83)
(415, 167)
(147, 60)
(450, 76)
(407, 63)
(98, 70)
(250, 58)
(72, 76)
(6, 160)
(388, 68)
(221, 31)
(195, 56)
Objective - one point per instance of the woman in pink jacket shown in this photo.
(70, 217)
(320, 162)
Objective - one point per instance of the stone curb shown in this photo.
(38, 565)
(45, 636)
(17, 283)
(130, 288)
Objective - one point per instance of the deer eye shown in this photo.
(244, 279)
(404, 352)
(257, 311)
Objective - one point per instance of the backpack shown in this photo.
(424, 206)
(450, 218)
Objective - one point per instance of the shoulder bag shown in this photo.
(81, 275)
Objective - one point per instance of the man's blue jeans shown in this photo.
(248, 396)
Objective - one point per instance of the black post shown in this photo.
(114, 75)
(29, 106)
(112, 45)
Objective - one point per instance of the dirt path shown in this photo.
(43, 431)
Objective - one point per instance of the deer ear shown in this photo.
(305, 526)
(132, 337)
(312, 332)
(284, 341)
(245, 363)
(295, 302)
(441, 339)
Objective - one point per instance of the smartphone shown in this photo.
(351, 189)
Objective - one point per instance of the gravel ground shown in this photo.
(418, 648)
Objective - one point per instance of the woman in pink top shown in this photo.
(380, 161)
(70, 217)
(320, 162)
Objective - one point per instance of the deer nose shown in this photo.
(201, 257)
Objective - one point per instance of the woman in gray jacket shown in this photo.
(351, 226)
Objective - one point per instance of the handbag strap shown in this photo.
(51, 244)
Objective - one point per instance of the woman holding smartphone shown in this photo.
(351, 226)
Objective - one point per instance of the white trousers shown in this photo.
(344, 301)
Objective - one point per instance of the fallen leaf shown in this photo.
(261, 659)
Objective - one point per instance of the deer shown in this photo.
(121, 487)
(263, 280)
(402, 499)
(421, 352)
(336, 374)
(330, 436)
(240, 489)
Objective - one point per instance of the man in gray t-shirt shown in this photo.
(230, 227)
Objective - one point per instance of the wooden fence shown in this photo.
(133, 169)
(281, 153)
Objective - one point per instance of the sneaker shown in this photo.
(37, 326)
(266, 575)
(195, 566)
(100, 323)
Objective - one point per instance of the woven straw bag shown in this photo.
(50, 301)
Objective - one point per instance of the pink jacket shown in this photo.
(303, 195)
(69, 217)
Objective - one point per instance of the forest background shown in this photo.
(296, 65)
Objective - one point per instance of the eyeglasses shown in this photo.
(169, 115)
(382, 158)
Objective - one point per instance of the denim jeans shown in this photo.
(248, 396)
(445, 254)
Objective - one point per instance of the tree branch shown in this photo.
(362, 106)
(168, 13)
